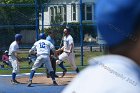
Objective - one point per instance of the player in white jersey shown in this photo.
(42, 47)
(68, 53)
(13, 58)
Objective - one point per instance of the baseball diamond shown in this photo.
(41, 84)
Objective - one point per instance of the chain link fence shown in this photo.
(31, 19)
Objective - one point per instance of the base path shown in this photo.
(41, 84)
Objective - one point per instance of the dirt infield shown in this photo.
(47, 81)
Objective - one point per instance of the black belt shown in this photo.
(42, 54)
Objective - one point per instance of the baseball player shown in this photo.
(13, 57)
(68, 47)
(43, 56)
(50, 38)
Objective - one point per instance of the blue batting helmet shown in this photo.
(18, 37)
(116, 19)
(42, 36)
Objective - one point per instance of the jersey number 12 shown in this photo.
(42, 45)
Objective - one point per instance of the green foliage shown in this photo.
(75, 31)
(58, 33)
(21, 1)
(6, 39)
(58, 19)
(14, 15)
(88, 28)
(16, 1)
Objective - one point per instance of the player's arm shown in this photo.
(53, 49)
(33, 49)
(60, 49)
(16, 54)
(71, 47)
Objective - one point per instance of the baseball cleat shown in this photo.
(64, 72)
(77, 70)
(14, 82)
(54, 83)
(56, 76)
(48, 75)
(29, 83)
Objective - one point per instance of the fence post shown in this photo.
(37, 18)
(90, 48)
(81, 33)
(42, 18)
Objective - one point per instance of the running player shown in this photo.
(43, 56)
(68, 47)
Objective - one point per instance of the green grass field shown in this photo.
(25, 67)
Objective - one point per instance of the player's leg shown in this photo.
(53, 63)
(48, 65)
(36, 65)
(71, 60)
(6, 63)
(15, 66)
(62, 57)
(9, 63)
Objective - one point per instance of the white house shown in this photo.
(66, 11)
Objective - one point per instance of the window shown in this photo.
(57, 14)
(73, 8)
(55, 11)
(60, 13)
(60, 9)
(52, 14)
(64, 13)
(83, 11)
(87, 11)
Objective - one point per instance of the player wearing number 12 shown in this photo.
(43, 48)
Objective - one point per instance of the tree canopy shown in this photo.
(21, 1)
(16, 1)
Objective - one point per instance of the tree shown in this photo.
(17, 1)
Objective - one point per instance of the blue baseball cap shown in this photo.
(42, 36)
(116, 19)
(18, 37)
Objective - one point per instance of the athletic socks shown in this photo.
(62, 66)
(13, 76)
(77, 70)
(32, 74)
(52, 75)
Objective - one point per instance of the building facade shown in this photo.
(67, 11)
